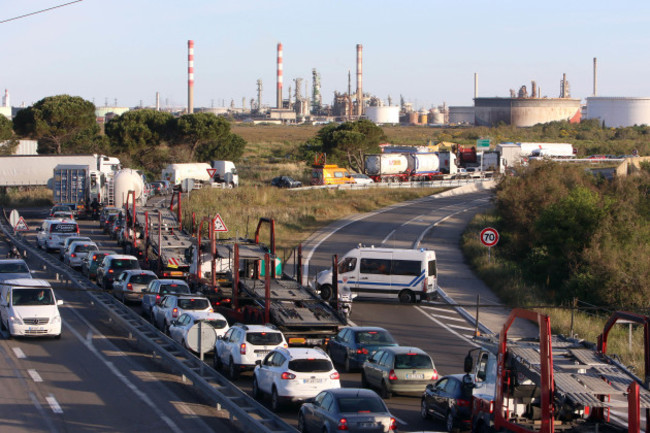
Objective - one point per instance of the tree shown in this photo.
(6, 128)
(138, 131)
(200, 129)
(56, 122)
(230, 148)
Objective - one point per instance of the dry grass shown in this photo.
(26, 196)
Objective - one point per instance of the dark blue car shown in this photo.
(353, 345)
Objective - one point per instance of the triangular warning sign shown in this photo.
(21, 225)
(211, 171)
(219, 226)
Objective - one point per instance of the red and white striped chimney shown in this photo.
(190, 76)
(279, 89)
(359, 79)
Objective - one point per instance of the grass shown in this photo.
(586, 322)
(26, 196)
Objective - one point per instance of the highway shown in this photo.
(93, 379)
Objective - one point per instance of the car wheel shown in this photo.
(326, 292)
(233, 373)
(257, 392)
(346, 365)
(276, 404)
(302, 426)
(384, 391)
(123, 298)
(424, 412)
(364, 381)
(407, 297)
(449, 422)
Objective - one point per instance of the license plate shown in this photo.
(312, 381)
(35, 328)
(367, 424)
(415, 376)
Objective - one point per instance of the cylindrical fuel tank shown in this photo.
(128, 180)
(423, 162)
(386, 163)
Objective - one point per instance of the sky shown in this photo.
(121, 52)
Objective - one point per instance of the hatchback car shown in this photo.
(352, 346)
(244, 345)
(68, 241)
(361, 179)
(92, 261)
(285, 182)
(11, 269)
(59, 208)
(293, 375)
(129, 285)
(449, 399)
(353, 410)
(63, 215)
(172, 306)
(399, 370)
(181, 330)
(157, 289)
(111, 268)
(77, 251)
(105, 213)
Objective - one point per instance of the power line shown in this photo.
(38, 12)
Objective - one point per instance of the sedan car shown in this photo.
(361, 179)
(352, 346)
(157, 289)
(399, 369)
(172, 306)
(92, 261)
(181, 329)
(285, 182)
(354, 410)
(130, 284)
(111, 268)
(449, 399)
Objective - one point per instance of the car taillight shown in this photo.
(73, 255)
(129, 286)
(335, 376)
(463, 403)
(242, 349)
(110, 271)
(391, 375)
(287, 376)
(157, 299)
(175, 312)
(435, 375)
(343, 424)
(362, 351)
(393, 424)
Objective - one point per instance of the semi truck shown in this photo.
(402, 167)
(187, 176)
(553, 383)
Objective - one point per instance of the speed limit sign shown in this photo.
(489, 237)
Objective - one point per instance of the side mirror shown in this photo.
(258, 362)
(429, 387)
(59, 302)
(468, 364)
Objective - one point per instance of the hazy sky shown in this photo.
(425, 50)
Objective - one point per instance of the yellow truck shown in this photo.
(329, 174)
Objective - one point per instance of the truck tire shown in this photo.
(326, 292)
(407, 297)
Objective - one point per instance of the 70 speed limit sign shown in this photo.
(489, 237)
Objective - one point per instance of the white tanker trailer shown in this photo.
(402, 167)
(127, 180)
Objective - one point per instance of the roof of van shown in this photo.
(392, 250)
(27, 282)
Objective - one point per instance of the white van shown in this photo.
(28, 308)
(406, 274)
(51, 235)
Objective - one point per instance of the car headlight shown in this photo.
(15, 320)
(56, 319)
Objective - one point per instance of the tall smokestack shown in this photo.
(279, 89)
(359, 80)
(157, 101)
(475, 85)
(190, 77)
(595, 77)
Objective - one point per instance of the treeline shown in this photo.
(146, 138)
(570, 234)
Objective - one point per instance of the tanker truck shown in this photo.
(188, 176)
(402, 167)
(127, 180)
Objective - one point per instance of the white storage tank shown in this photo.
(383, 115)
(420, 163)
(128, 180)
(619, 112)
(386, 163)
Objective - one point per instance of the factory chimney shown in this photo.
(5, 100)
(475, 85)
(595, 77)
(279, 89)
(190, 77)
(359, 79)
(157, 101)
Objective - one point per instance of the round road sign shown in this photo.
(489, 237)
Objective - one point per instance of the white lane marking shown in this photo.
(387, 237)
(141, 395)
(19, 353)
(54, 405)
(433, 319)
(453, 319)
(465, 328)
(34, 375)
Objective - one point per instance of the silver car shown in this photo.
(353, 410)
(77, 251)
(11, 269)
(128, 287)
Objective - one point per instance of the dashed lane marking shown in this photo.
(54, 405)
(34, 375)
(19, 353)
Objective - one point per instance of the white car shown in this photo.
(244, 345)
(294, 375)
(172, 306)
(77, 251)
(29, 308)
(361, 179)
(179, 330)
(68, 241)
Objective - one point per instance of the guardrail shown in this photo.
(244, 412)
(426, 184)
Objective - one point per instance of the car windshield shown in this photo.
(142, 278)
(361, 404)
(124, 264)
(310, 365)
(413, 361)
(85, 248)
(193, 304)
(174, 288)
(13, 268)
(377, 338)
(215, 323)
(32, 296)
(264, 338)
